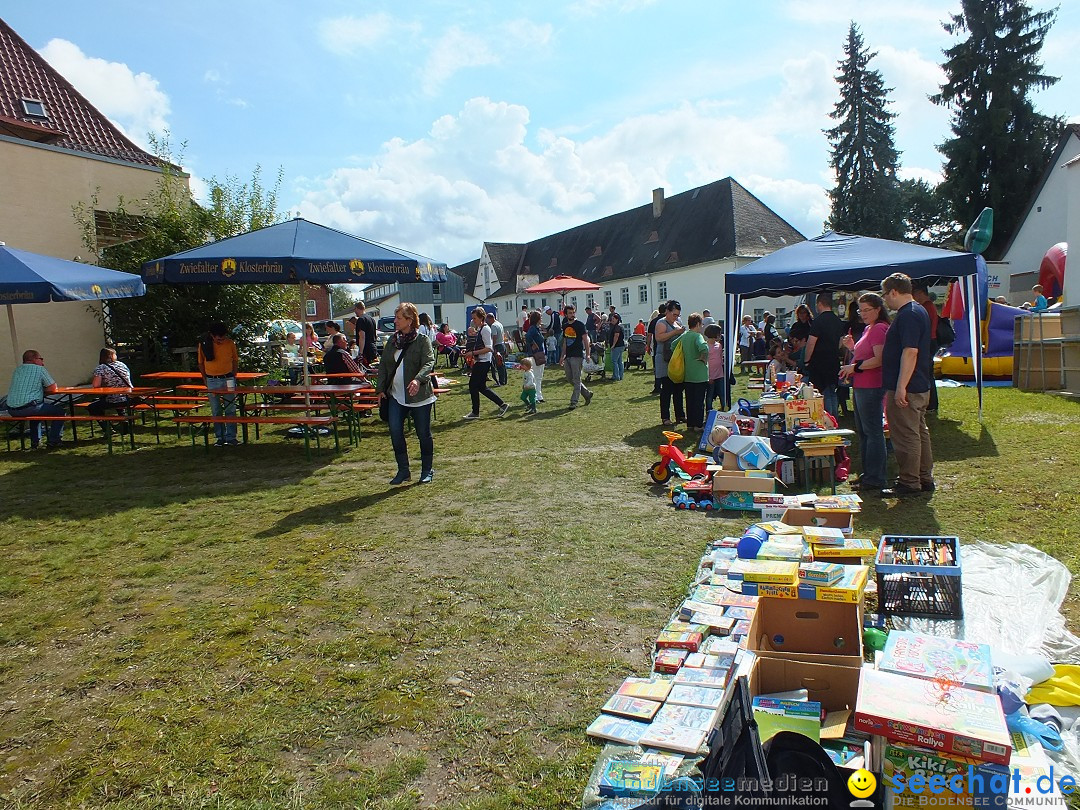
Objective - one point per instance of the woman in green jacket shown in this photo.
(405, 381)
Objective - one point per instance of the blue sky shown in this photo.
(437, 125)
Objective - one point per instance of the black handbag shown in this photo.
(384, 403)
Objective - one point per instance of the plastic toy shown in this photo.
(669, 453)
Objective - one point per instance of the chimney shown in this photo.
(657, 202)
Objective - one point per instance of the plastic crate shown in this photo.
(919, 576)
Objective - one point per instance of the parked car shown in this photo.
(384, 327)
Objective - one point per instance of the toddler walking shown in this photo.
(528, 385)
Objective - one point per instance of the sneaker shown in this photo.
(530, 410)
(539, 399)
(928, 486)
(588, 396)
(232, 442)
(504, 408)
(471, 416)
(900, 490)
(219, 443)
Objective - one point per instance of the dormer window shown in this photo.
(34, 108)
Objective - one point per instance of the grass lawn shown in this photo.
(246, 629)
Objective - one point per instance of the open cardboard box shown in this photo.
(835, 687)
(807, 516)
(725, 480)
(808, 631)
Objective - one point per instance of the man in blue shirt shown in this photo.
(907, 375)
(26, 397)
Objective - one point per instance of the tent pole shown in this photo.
(14, 336)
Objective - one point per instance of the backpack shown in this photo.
(946, 334)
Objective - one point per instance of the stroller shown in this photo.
(594, 364)
(635, 352)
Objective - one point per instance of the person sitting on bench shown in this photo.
(26, 397)
(338, 361)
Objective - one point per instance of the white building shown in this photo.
(1052, 216)
(679, 247)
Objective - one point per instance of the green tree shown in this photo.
(865, 198)
(168, 221)
(927, 216)
(1001, 145)
(342, 298)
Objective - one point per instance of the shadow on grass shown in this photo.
(152, 475)
(951, 443)
(652, 436)
(335, 512)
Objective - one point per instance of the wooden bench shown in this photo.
(156, 407)
(108, 420)
(315, 422)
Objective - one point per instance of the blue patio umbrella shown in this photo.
(293, 252)
(31, 278)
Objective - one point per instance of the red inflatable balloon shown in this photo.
(1052, 270)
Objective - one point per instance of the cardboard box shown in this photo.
(808, 631)
(725, 480)
(835, 687)
(806, 516)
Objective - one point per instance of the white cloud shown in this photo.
(592, 8)
(477, 177)
(458, 49)
(132, 101)
(348, 35)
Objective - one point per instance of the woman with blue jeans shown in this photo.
(405, 382)
(218, 363)
(616, 344)
(865, 375)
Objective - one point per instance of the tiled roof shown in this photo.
(468, 272)
(70, 122)
(709, 223)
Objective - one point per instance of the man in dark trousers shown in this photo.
(823, 351)
(365, 334)
(907, 374)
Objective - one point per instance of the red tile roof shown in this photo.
(73, 121)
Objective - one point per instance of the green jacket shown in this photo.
(418, 362)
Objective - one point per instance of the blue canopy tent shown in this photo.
(32, 278)
(837, 261)
(293, 252)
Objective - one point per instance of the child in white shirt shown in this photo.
(528, 385)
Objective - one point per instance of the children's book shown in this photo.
(786, 548)
(630, 778)
(765, 571)
(718, 645)
(689, 716)
(669, 661)
(690, 695)
(634, 708)
(857, 547)
(819, 573)
(673, 738)
(713, 678)
(710, 660)
(665, 759)
(773, 716)
(616, 729)
(717, 623)
(939, 715)
(777, 526)
(680, 626)
(938, 658)
(741, 629)
(678, 641)
(648, 688)
(737, 613)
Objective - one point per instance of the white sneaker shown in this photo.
(504, 408)
(471, 416)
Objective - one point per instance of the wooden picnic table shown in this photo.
(339, 396)
(195, 375)
(72, 391)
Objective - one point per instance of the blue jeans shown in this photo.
(54, 429)
(832, 404)
(421, 416)
(617, 368)
(222, 406)
(868, 412)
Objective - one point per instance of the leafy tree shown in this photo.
(865, 198)
(167, 221)
(342, 298)
(927, 216)
(1001, 145)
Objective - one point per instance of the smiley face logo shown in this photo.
(861, 783)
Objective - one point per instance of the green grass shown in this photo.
(246, 629)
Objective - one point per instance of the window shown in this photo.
(643, 294)
(624, 296)
(310, 308)
(661, 290)
(573, 301)
(607, 298)
(437, 317)
(543, 303)
(509, 306)
(590, 301)
(34, 108)
(757, 315)
(436, 290)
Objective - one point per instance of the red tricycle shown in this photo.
(661, 471)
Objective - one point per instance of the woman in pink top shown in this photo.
(864, 372)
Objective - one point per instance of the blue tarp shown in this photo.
(837, 261)
(291, 252)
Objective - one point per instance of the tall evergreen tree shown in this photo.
(866, 197)
(1001, 145)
